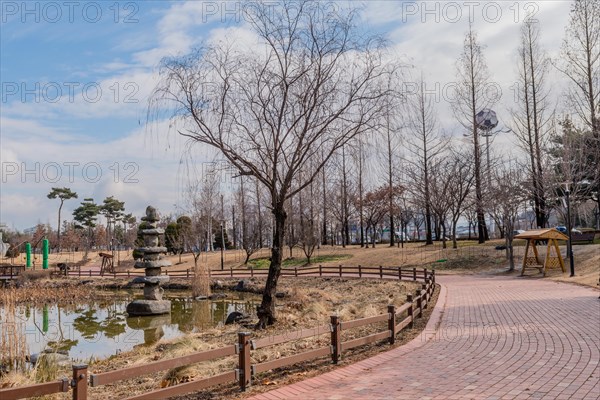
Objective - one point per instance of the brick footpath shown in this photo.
(499, 338)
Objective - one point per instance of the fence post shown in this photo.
(244, 368)
(336, 339)
(392, 322)
(424, 274)
(414, 273)
(425, 293)
(340, 270)
(433, 276)
(399, 273)
(381, 272)
(187, 273)
(359, 271)
(296, 272)
(320, 270)
(79, 382)
(409, 299)
(420, 303)
(251, 272)
(231, 272)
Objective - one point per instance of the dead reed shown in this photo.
(14, 351)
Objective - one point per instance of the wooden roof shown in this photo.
(548, 233)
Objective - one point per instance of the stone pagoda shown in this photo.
(153, 303)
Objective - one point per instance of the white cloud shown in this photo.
(29, 137)
(435, 46)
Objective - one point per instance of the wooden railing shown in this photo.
(402, 273)
(9, 272)
(398, 319)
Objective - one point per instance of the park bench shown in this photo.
(583, 237)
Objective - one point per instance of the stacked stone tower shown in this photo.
(153, 303)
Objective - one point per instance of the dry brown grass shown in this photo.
(13, 345)
(200, 280)
(48, 291)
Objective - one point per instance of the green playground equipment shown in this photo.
(45, 247)
(28, 254)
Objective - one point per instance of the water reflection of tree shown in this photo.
(220, 311)
(62, 344)
(87, 324)
(181, 313)
(112, 326)
(190, 314)
(201, 316)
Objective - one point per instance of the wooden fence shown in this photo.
(9, 272)
(359, 271)
(397, 319)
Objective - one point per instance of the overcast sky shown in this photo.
(76, 78)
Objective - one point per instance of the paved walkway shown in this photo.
(499, 338)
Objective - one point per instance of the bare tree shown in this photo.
(345, 204)
(340, 207)
(192, 234)
(405, 215)
(324, 188)
(375, 208)
(312, 86)
(195, 232)
(473, 93)
(531, 120)
(461, 181)
(572, 167)
(424, 143)
(250, 225)
(581, 64)
(360, 159)
(308, 239)
(441, 202)
(391, 127)
(509, 191)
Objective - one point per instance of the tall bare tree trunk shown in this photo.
(345, 206)
(541, 201)
(260, 219)
(324, 188)
(361, 193)
(390, 183)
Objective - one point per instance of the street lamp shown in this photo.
(222, 234)
(487, 120)
(569, 233)
(597, 211)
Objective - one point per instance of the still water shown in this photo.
(102, 328)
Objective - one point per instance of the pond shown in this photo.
(102, 328)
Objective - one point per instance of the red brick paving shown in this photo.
(499, 338)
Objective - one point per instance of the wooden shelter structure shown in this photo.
(553, 258)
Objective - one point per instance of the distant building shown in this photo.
(30, 231)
